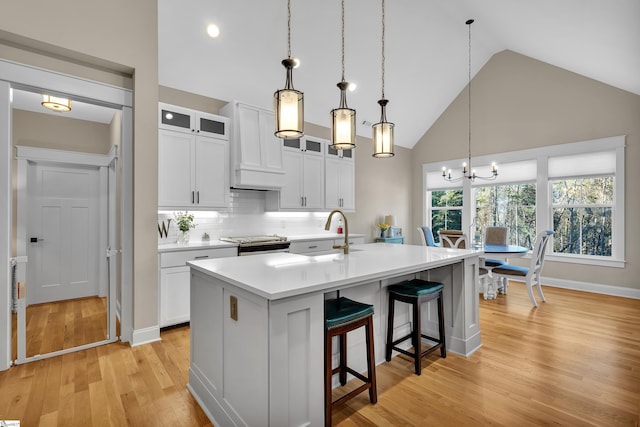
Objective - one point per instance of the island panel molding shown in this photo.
(266, 367)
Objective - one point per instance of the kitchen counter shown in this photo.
(257, 324)
(280, 275)
(212, 244)
(320, 236)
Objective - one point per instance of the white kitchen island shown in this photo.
(257, 324)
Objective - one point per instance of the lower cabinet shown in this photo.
(175, 282)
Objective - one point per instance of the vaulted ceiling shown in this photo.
(426, 50)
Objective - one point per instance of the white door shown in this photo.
(62, 232)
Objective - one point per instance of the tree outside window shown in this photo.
(582, 211)
(512, 206)
(446, 211)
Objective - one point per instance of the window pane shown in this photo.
(585, 231)
(444, 198)
(445, 219)
(583, 191)
(511, 206)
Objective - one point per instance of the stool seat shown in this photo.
(415, 292)
(416, 288)
(343, 315)
(343, 311)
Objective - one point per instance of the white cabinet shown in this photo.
(304, 167)
(340, 180)
(174, 282)
(192, 161)
(312, 246)
(256, 154)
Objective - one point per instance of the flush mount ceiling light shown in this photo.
(467, 171)
(61, 105)
(383, 130)
(343, 118)
(288, 102)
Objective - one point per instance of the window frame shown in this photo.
(544, 213)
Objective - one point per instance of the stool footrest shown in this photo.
(343, 399)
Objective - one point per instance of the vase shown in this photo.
(382, 233)
(183, 237)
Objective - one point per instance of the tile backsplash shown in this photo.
(246, 216)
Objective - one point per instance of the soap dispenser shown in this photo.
(339, 225)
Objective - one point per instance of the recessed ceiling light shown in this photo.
(352, 86)
(296, 62)
(213, 31)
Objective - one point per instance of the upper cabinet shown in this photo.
(256, 154)
(304, 166)
(193, 159)
(340, 179)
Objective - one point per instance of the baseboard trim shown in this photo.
(596, 288)
(144, 336)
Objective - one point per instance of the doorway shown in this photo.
(78, 273)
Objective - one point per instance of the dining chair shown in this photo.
(452, 239)
(530, 275)
(495, 236)
(426, 236)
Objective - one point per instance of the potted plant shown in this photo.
(184, 222)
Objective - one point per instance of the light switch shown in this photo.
(233, 307)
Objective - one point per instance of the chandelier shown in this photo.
(467, 171)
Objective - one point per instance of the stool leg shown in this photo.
(327, 379)
(342, 338)
(417, 346)
(371, 365)
(389, 329)
(443, 349)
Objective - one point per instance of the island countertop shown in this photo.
(280, 275)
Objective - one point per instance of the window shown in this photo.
(512, 206)
(582, 215)
(576, 189)
(446, 211)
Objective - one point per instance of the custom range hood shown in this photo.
(256, 154)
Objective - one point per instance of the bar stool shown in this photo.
(416, 292)
(341, 316)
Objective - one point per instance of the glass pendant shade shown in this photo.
(56, 104)
(343, 123)
(289, 107)
(383, 134)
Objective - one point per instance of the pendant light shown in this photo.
(467, 171)
(383, 130)
(343, 118)
(288, 102)
(54, 103)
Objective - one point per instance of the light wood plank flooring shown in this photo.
(59, 325)
(574, 361)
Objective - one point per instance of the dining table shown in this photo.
(501, 252)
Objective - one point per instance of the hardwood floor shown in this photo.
(574, 361)
(64, 324)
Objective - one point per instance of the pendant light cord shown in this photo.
(469, 92)
(383, 58)
(289, 29)
(342, 40)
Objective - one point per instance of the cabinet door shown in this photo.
(174, 295)
(212, 125)
(211, 170)
(272, 156)
(249, 131)
(313, 184)
(291, 193)
(332, 183)
(176, 118)
(347, 185)
(175, 175)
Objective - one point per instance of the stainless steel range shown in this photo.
(254, 245)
